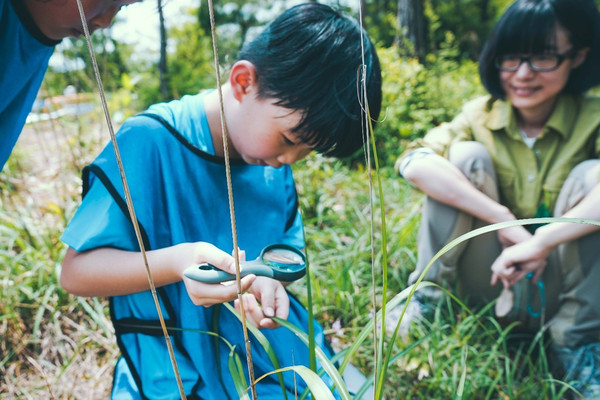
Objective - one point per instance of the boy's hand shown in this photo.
(274, 302)
(209, 294)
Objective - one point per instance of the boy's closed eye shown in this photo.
(289, 140)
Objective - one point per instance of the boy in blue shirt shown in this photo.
(292, 90)
(29, 31)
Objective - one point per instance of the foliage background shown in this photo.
(54, 345)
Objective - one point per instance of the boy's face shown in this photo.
(261, 133)
(58, 19)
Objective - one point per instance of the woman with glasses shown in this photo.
(528, 149)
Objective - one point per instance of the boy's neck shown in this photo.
(213, 115)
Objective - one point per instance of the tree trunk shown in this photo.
(412, 27)
(485, 11)
(162, 64)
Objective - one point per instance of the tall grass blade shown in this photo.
(312, 359)
(95, 313)
(369, 382)
(40, 311)
(364, 333)
(315, 384)
(264, 342)
(328, 366)
(236, 369)
(463, 375)
(379, 367)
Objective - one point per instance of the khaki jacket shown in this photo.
(528, 177)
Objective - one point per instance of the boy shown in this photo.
(292, 90)
(29, 31)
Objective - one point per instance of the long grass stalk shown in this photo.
(266, 345)
(312, 358)
(315, 384)
(326, 363)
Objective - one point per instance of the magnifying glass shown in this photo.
(278, 261)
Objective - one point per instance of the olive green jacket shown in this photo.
(528, 178)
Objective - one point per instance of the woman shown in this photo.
(528, 149)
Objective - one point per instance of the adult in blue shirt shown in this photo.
(29, 31)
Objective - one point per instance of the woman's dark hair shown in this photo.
(529, 26)
(309, 59)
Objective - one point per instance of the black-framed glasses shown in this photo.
(536, 62)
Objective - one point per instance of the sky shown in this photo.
(135, 24)
(138, 23)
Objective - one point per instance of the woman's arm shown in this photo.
(530, 255)
(441, 180)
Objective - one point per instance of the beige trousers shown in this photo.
(571, 279)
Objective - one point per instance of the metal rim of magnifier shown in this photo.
(291, 271)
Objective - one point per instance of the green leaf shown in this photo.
(325, 361)
(264, 342)
(315, 384)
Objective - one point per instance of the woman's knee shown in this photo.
(587, 173)
(582, 179)
(473, 159)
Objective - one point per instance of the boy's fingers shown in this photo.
(282, 306)
(247, 281)
(268, 323)
(208, 294)
(251, 309)
(267, 299)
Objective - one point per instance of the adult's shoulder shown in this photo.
(591, 101)
(589, 109)
(482, 105)
(485, 110)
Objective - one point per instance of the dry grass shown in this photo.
(52, 345)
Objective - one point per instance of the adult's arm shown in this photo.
(527, 255)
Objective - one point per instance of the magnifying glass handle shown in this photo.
(208, 273)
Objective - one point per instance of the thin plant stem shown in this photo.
(129, 202)
(238, 278)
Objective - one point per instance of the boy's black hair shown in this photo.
(529, 26)
(309, 59)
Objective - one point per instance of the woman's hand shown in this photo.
(513, 235)
(516, 261)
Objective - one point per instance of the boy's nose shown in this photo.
(104, 20)
(293, 155)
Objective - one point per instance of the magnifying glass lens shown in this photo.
(282, 258)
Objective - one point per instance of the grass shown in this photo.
(56, 346)
(52, 345)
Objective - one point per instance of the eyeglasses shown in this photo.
(536, 62)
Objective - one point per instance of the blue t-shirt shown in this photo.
(24, 55)
(179, 191)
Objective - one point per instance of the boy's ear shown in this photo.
(242, 78)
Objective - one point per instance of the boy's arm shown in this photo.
(113, 272)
